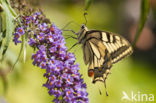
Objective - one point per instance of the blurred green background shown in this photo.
(135, 73)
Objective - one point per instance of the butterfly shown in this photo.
(101, 50)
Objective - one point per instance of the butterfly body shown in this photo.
(101, 50)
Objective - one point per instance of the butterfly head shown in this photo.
(82, 32)
(83, 26)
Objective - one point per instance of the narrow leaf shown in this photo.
(0, 23)
(1, 31)
(2, 36)
(1, 9)
(9, 27)
(143, 17)
(11, 9)
(2, 28)
(87, 4)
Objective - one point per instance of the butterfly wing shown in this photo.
(117, 46)
(98, 58)
(101, 50)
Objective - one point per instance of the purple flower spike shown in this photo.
(64, 81)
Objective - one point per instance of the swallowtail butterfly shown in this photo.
(101, 50)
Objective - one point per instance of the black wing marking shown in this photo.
(117, 46)
(99, 59)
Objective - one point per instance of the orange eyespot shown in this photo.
(91, 73)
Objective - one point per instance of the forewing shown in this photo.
(117, 46)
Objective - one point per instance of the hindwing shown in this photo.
(98, 58)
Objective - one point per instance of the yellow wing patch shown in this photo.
(95, 49)
(117, 46)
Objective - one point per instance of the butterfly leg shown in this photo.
(72, 46)
(69, 36)
(105, 86)
(76, 49)
(69, 24)
(100, 92)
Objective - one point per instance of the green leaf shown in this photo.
(143, 17)
(11, 9)
(1, 9)
(3, 21)
(2, 35)
(87, 4)
(9, 27)
(0, 23)
(2, 27)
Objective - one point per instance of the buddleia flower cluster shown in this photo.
(64, 81)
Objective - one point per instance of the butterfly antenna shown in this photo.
(105, 87)
(85, 14)
(69, 23)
